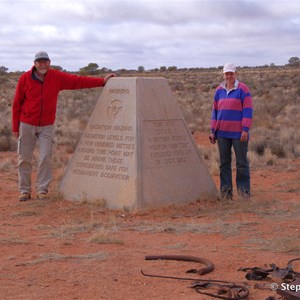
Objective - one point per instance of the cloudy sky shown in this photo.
(152, 33)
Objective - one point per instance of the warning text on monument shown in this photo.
(167, 143)
(106, 151)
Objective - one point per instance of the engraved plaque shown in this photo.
(167, 144)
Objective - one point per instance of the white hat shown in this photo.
(229, 67)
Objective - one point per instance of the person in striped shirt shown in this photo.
(230, 124)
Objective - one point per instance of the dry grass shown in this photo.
(177, 246)
(26, 213)
(226, 229)
(58, 257)
(98, 204)
(283, 244)
(13, 239)
(68, 231)
(103, 236)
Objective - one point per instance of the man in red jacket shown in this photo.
(33, 116)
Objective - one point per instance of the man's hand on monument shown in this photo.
(108, 76)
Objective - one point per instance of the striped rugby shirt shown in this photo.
(232, 111)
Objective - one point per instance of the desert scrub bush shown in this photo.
(7, 164)
(60, 158)
(78, 104)
(4, 143)
(211, 157)
(8, 83)
(69, 134)
(176, 86)
(7, 141)
(69, 139)
(73, 112)
(285, 143)
(258, 147)
(196, 110)
(278, 150)
(265, 151)
(253, 159)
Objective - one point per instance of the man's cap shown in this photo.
(229, 67)
(41, 55)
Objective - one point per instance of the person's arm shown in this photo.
(247, 115)
(17, 107)
(213, 121)
(75, 82)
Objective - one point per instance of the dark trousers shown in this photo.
(242, 167)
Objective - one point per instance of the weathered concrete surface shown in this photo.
(136, 151)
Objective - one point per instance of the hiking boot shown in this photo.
(42, 196)
(24, 197)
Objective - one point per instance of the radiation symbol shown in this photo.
(114, 109)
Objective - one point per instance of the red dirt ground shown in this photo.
(47, 250)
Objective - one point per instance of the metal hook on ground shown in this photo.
(225, 290)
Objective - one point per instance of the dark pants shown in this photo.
(242, 167)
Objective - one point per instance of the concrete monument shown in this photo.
(137, 151)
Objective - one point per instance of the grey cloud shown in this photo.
(126, 34)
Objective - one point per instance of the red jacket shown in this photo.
(35, 101)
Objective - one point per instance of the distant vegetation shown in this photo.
(94, 69)
(275, 90)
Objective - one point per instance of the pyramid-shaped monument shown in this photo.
(137, 151)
